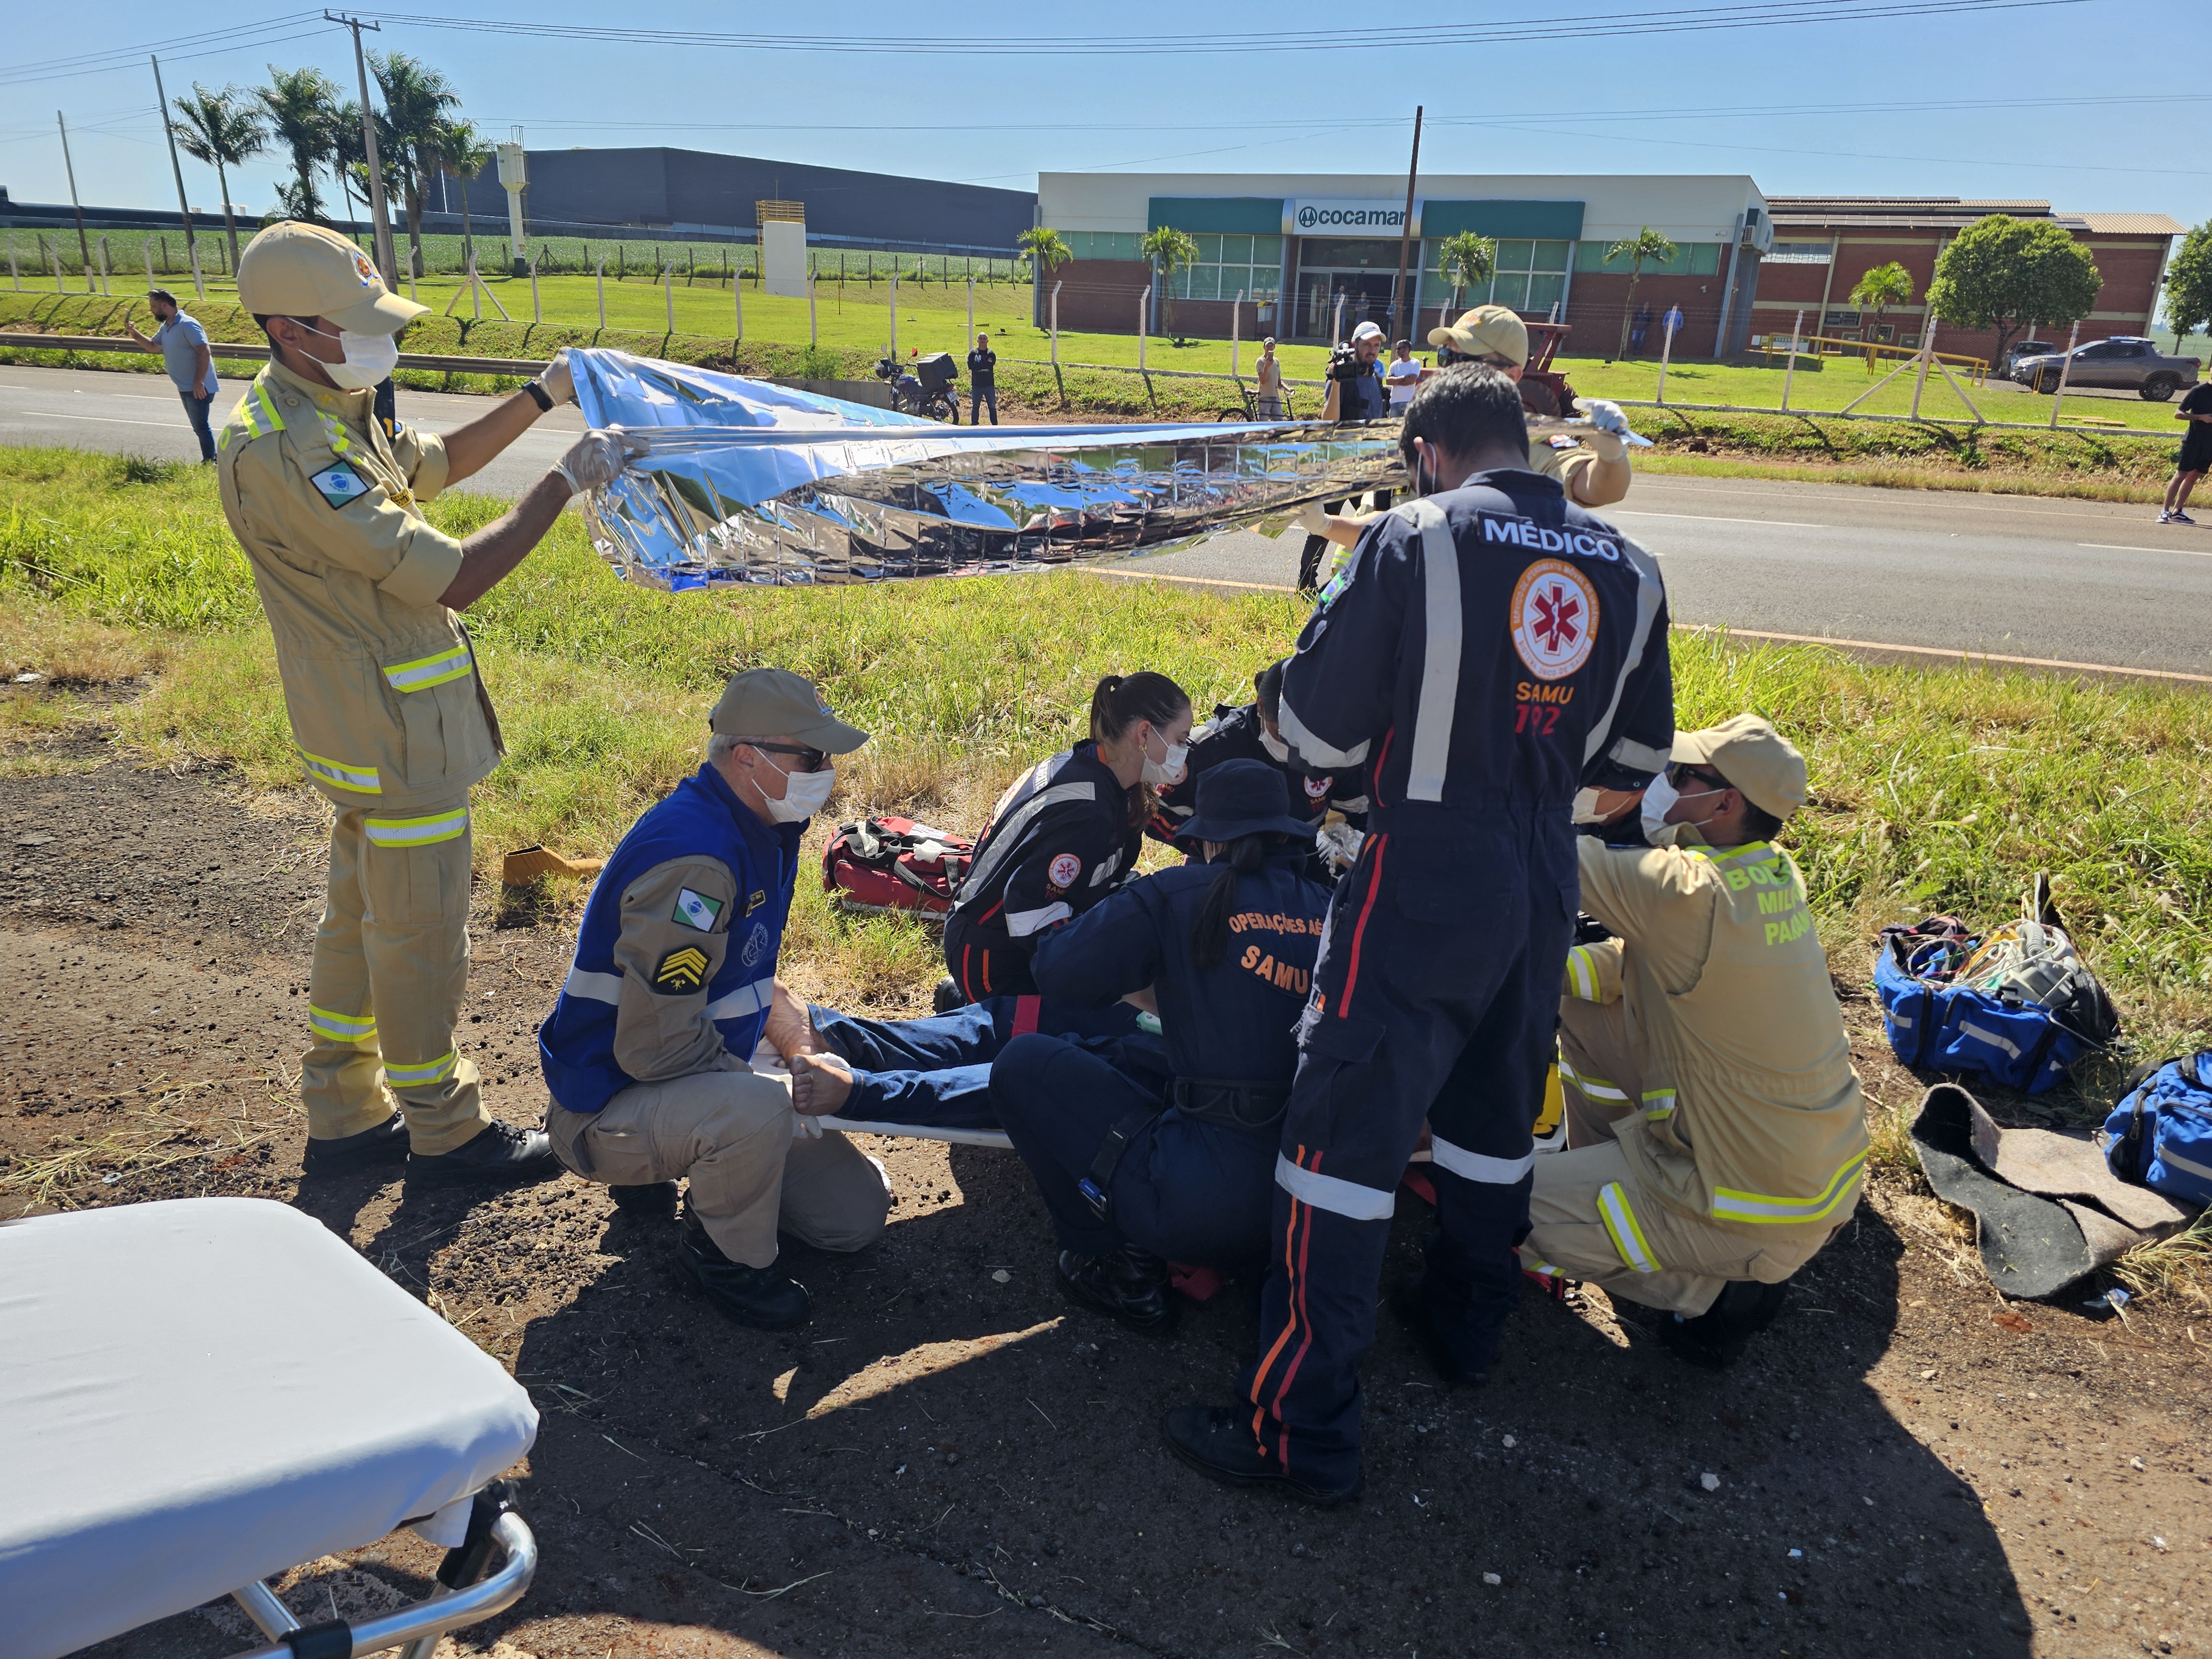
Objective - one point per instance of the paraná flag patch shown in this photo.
(697, 910)
(338, 484)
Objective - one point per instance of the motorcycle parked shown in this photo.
(928, 391)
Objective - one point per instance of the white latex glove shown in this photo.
(559, 383)
(1608, 429)
(598, 459)
(1340, 845)
(1311, 520)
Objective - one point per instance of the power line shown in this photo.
(179, 49)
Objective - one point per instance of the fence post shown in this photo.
(1055, 328)
(1235, 328)
(1788, 374)
(599, 271)
(1927, 356)
(199, 282)
(971, 311)
(1336, 324)
(15, 274)
(54, 253)
(476, 288)
(536, 254)
(1665, 352)
(668, 290)
(871, 260)
(103, 266)
(814, 327)
(1144, 308)
(2065, 367)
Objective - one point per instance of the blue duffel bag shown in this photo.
(2161, 1136)
(2018, 1008)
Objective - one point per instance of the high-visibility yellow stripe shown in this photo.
(1582, 974)
(334, 429)
(243, 415)
(1619, 1218)
(1555, 1103)
(426, 671)
(1729, 1204)
(268, 407)
(363, 780)
(430, 1071)
(1596, 1088)
(341, 1028)
(416, 832)
(1658, 1103)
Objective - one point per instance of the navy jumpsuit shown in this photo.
(1491, 649)
(1194, 1192)
(1236, 733)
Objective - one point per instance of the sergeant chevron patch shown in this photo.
(681, 971)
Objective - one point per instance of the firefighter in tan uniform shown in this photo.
(1716, 1131)
(386, 708)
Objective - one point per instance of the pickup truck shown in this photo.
(2125, 362)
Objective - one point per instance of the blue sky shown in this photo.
(1789, 105)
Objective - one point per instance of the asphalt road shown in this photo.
(2080, 582)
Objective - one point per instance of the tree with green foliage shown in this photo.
(224, 130)
(1047, 251)
(417, 103)
(1467, 261)
(1646, 246)
(2189, 285)
(1169, 251)
(462, 153)
(1881, 287)
(2005, 274)
(301, 105)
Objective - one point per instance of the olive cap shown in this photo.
(766, 702)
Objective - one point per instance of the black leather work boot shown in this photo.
(1218, 1441)
(1462, 1355)
(1130, 1286)
(946, 996)
(500, 1155)
(766, 1298)
(381, 1147)
(1716, 1337)
(654, 1200)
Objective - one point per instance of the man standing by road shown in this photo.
(183, 344)
(2195, 453)
(1268, 405)
(381, 683)
(982, 380)
(1355, 383)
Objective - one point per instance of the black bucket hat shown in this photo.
(1242, 798)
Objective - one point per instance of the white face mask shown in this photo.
(1161, 773)
(804, 794)
(1659, 799)
(369, 359)
(1276, 748)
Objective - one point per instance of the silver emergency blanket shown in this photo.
(745, 482)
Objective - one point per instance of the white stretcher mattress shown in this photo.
(769, 1063)
(202, 1392)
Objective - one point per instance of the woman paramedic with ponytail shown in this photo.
(1062, 836)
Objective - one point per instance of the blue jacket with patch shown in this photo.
(675, 962)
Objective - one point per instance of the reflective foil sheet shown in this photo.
(746, 481)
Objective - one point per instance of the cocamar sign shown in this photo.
(1347, 216)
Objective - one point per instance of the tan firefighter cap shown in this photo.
(1486, 332)
(295, 270)
(766, 702)
(1764, 766)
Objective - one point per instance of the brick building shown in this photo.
(1824, 244)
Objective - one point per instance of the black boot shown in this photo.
(654, 1200)
(1130, 1285)
(500, 1155)
(1461, 1354)
(1716, 1337)
(1218, 1441)
(378, 1148)
(766, 1298)
(947, 996)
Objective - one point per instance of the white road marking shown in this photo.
(1709, 518)
(2124, 547)
(105, 420)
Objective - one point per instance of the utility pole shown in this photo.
(1406, 232)
(70, 167)
(377, 216)
(162, 109)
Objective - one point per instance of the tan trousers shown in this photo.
(391, 969)
(730, 1134)
(1589, 1219)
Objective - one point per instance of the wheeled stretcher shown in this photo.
(198, 1395)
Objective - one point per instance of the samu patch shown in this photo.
(697, 910)
(1063, 871)
(682, 971)
(338, 484)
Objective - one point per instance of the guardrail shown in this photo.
(259, 354)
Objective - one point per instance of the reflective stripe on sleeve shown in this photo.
(1640, 757)
(745, 999)
(1020, 924)
(341, 1028)
(1658, 1103)
(342, 774)
(1619, 1218)
(599, 987)
(1345, 1198)
(1582, 974)
(1311, 749)
(260, 394)
(1729, 1204)
(1008, 838)
(430, 1071)
(1592, 1088)
(426, 671)
(1443, 625)
(1477, 1166)
(416, 832)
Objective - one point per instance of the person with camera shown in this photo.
(1356, 392)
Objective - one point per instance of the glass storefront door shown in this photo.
(1358, 271)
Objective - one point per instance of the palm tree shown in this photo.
(1169, 251)
(415, 101)
(224, 130)
(462, 153)
(1882, 286)
(1646, 244)
(342, 149)
(301, 105)
(1048, 250)
(1467, 261)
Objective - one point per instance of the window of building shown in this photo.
(1231, 264)
(1104, 244)
(1800, 253)
(1531, 276)
(1691, 260)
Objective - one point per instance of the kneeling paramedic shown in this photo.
(1497, 653)
(1715, 1133)
(381, 682)
(1147, 1153)
(673, 985)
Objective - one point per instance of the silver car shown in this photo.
(2125, 362)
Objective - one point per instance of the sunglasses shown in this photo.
(809, 760)
(1682, 772)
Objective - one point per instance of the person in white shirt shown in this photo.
(1403, 377)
